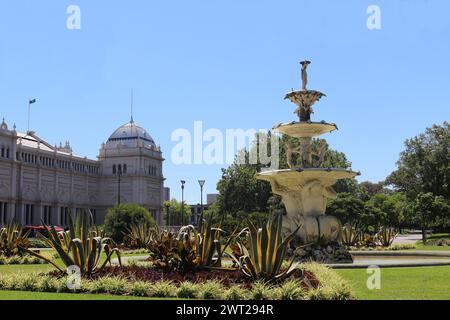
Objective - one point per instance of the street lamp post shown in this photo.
(119, 176)
(168, 214)
(182, 201)
(201, 183)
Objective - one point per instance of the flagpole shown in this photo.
(29, 110)
(30, 102)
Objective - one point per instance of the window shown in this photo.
(114, 169)
(29, 212)
(3, 211)
(47, 215)
(63, 212)
(124, 168)
(94, 215)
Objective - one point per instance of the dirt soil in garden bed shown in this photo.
(227, 278)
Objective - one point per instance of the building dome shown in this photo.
(130, 135)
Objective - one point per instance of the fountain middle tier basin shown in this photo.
(305, 129)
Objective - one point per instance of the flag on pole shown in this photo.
(32, 101)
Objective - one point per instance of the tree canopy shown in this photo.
(424, 165)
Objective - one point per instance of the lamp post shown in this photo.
(168, 214)
(182, 201)
(201, 183)
(119, 176)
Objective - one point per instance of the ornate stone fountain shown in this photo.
(306, 186)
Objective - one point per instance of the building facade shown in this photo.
(40, 182)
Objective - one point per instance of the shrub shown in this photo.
(80, 246)
(386, 236)
(163, 289)
(120, 218)
(140, 289)
(211, 290)
(108, 285)
(332, 286)
(350, 235)
(137, 236)
(236, 293)
(187, 290)
(163, 246)
(291, 290)
(201, 248)
(261, 291)
(18, 260)
(193, 249)
(38, 243)
(264, 251)
(13, 240)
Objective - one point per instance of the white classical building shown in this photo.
(41, 182)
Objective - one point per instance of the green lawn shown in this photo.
(426, 283)
(28, 268)
(421, 246)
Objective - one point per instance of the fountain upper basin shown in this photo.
(297, 177)
(305, 129)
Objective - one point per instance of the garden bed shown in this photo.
(310, 281)
(226, 278)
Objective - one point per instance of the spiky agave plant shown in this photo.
(163, 247)
(265, 250)
(386, 236)
(350, 235)
(138, 236)
(201, 248)
(12, 239)
(80, 246)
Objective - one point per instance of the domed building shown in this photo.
(41, 182)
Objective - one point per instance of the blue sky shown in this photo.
(227, 63)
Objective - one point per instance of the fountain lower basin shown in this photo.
(304, 193)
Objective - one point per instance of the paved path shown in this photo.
(408, 238)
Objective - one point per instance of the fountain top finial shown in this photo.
(304, 64)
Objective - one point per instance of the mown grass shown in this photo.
(424, 283)
(433, 237)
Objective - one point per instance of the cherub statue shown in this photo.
(306, 152)
(304, 73)
(319, 155)
(289, 152)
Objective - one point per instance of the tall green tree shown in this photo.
(424, 165)
(172, 213)
(389, 209)
(240, 192)
(426, 210)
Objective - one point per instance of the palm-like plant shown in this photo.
(386, 236)
(202, 248)
(265, 251)
(350, 235)
(12, 239)
(80, 246)
(138, 236)
(163, 247)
